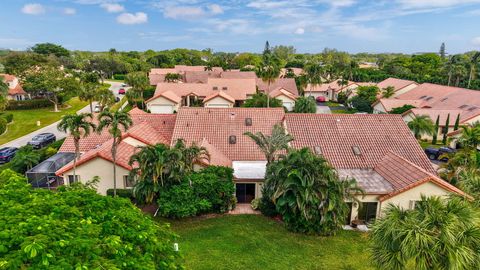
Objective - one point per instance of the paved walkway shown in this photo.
(323, 109)
(243, 209)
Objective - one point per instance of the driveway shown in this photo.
(52, 128)
(115, 86)
(323, 109)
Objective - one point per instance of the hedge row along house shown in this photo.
(379, 151)
(15, 90)
(195, 86)
(446, 103)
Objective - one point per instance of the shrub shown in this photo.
(400, 110)
(266, 205)
(180, 201)
(305, 105)
(119, 76)
(28, 104)
(148, 93)
(123, 193)
(7, 116)
(255, 203)
(3, 125)
(78, 229)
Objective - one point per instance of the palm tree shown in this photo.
(88, 92)
(388, 91)
(172, 77)
(269, 73)
(305, 105)
(191, 154)
(25, 159)
(139, 82)
(3, 94)
(421, 125)
(78, 126)
(105, 97)
(470, 136)
(437, 234)
(114, 122)
(314, 75)
(473, 64)
(270, 145)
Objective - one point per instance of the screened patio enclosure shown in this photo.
(43, 175)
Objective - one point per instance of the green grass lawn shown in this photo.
(257, 242)
(25, 121)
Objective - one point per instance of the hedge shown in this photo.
(3, 125)
(28, 104)
(7, 116)
(119, 76)
(123, 193)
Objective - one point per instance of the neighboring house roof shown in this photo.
(411, 175)
(238, 75)
(397, 84)
(296, 71)
(281, 91)
(373, 134)
(8, 77)
(170, 95)
(216, 125)
(219, 94)
(434, 113)
(200, 76)
(285, 83)
(217, 158)
(325, 87)
(17, 90)
(389, 104)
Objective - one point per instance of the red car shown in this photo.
(321, 99)
(121, 91)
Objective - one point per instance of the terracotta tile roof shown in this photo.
(396, 83)
(374, 134)
(216, 125)
(434, 113)
(369, 180)
(156, 78)
(324, 87)
(7, 77)
(238, 75)
(219, 94)
(162, 123)
(200, 76)
(217, 158)
(136, 111)
(403, 175)
(281, 91)
(146, 134)
(390, 104)
(286, 83)
(170, 95)
(17, 90)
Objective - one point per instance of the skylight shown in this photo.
(356, 150)
(318, 150)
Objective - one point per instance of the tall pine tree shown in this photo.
(445, 130)
(457, 122)
(434, 138)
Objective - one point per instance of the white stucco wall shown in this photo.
(288, 103)
(378, 108)
(404, 90)
(101, 168)
(218, 102)
(403, 199)
(161, 101)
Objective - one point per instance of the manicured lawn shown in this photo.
(257, 242)
(25, 121)
(427, 144)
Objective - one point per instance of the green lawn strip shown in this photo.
(25, 121)
(427, 144)
(257, 242)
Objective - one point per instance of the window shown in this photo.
(72, 180)
(128, 181)
(367, 211)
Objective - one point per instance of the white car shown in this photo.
(97, 108)
(124, 84)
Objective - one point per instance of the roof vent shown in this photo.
(232, 139)
(463, 106)
(473, 108)
(356, 150)
(215, 88)
(443, 99)
(224, 88)
(422, 97)
(428, 98)
(318, 150)
(248, 122)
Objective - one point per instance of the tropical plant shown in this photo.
(88, 92)
(3, 94)
(261, 100)
(25, 158)
(139, 83)
(473, 65)
(76, 228)
(457, 123)
(78, 126)
(105, 97)
(421, 125)
(269, 73)
(191, 154)
(309, 194)
(401, 110)
(114, 122)
(305, 105)
(270, 145)
(172, 77)
(388, 91)
(470, 137)
(314, 73)
(437, 234)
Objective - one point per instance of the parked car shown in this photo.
(439, 153)
(7, 153)
(117, 99)
(97, 108)
(42, 140)
(321, 99)
(124, 85)
(121, 91)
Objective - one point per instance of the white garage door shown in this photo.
(218, 106)
(161, 108)
(288, 105)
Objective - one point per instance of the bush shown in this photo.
(3, 125)
(78, 229)
(400, 110)
(7, 116)
(180, 201)
(123, 193)
(119, 76)
(255, 203)
(28, 104)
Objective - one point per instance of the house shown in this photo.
(436, 100)
(296, 71)
(15, 90)
(400, 86)
(379, 151)
(331, 90)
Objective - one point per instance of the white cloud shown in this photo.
(300, 31)
(33, 9)
(69, 11)
(183, 12)
(112, 7)
(434, 3)
(132, 18)
(476, 42)
(215, 9)
(342, 3)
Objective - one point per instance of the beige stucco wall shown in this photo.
(378, 108)
(403, 199)
(285, 101)
(133, 142)
(162, 101)
(404, 90)
(474, 120)
(218, 102)
(101, 168)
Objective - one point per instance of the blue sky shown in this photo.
(243, 25)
